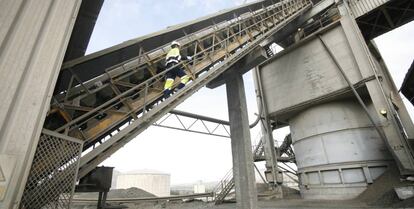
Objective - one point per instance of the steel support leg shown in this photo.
(269, 144)
(246, 194)
(398, 146)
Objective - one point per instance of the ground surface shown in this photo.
(267, 204)
(378, 195)
(291, 201)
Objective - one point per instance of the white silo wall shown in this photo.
(199, 189)
(157, 184)
(115, 179)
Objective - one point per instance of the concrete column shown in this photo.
(33, 39)
(243, 170)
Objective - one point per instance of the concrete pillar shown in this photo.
(33, 39)
(243, 170)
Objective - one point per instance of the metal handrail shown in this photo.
(145, 83)
(162, 55)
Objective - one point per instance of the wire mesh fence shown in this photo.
(52, 177)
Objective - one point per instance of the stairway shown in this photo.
(224, 187)
(258, 150)
(227, 183)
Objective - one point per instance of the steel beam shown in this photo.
(267, 130)
(393, 92)
(398, 145)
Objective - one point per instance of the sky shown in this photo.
(191, 157)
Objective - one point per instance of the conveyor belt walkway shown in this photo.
(128, 99)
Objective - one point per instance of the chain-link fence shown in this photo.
(52, 177)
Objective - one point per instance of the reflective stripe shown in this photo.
(173, 56)
(185, 79)
(168, 83)
(171, 61)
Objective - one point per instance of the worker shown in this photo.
(173, 58)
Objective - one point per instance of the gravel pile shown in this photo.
(382, 193)
(119, 193)
(129, 193)
(409, 203)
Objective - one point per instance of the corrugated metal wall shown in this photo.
(33, 39)
(361, 7)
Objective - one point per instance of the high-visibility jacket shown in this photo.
(173, 56)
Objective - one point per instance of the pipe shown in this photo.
(258, 118)
(201, 117)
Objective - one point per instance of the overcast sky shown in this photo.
(190, 157)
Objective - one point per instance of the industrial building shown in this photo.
(63, 113)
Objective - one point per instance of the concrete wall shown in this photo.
(310, 72)
(33, 38)
(157, 184)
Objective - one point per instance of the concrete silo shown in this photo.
(156, 183)
(338, 152)
(341, 144)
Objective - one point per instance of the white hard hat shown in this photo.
(175, 43)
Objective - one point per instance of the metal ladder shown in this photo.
(110, 110)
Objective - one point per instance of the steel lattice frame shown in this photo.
(180, 125)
